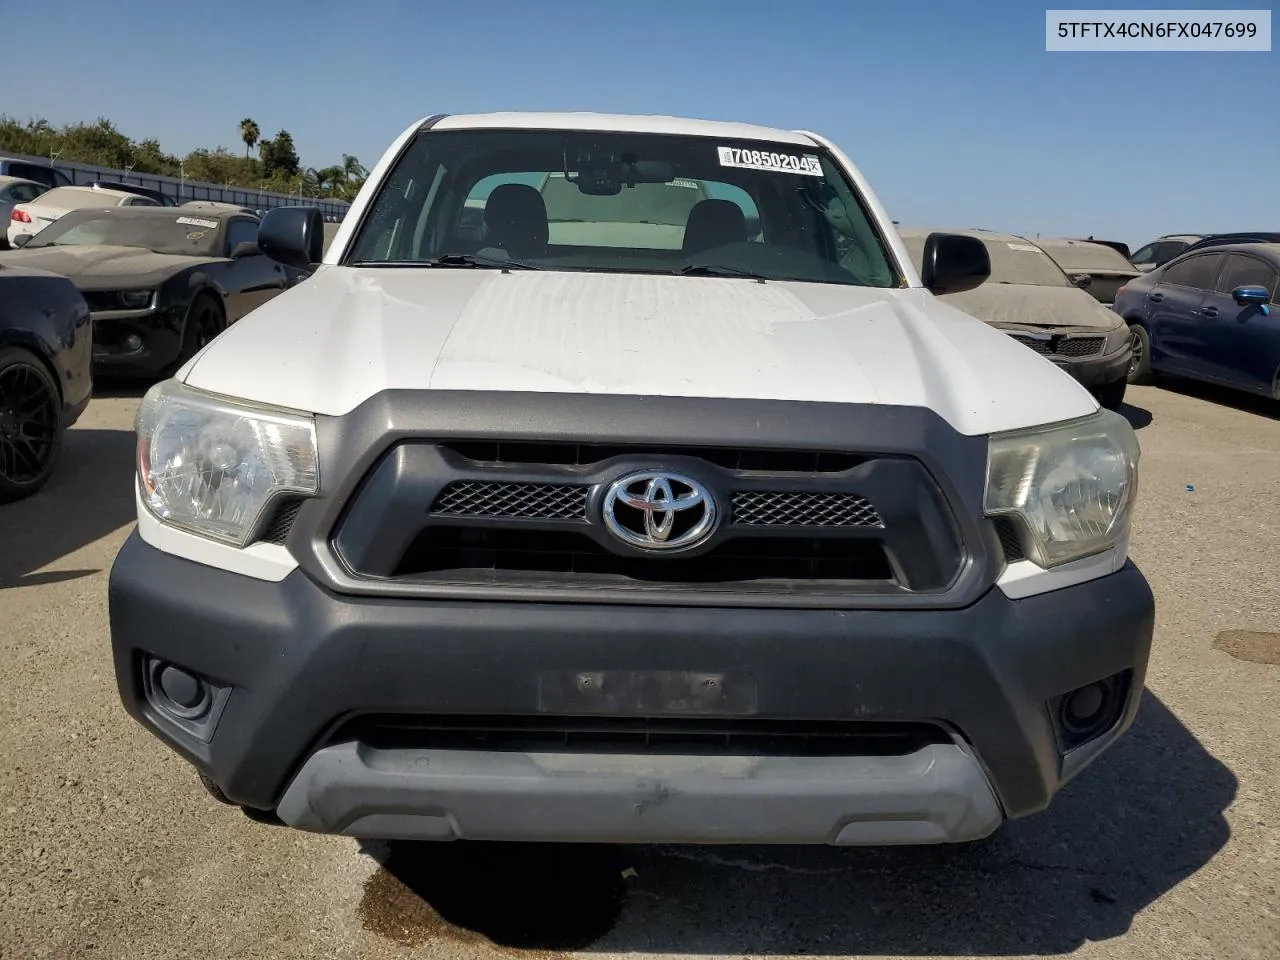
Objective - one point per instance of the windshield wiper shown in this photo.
(463, 260)
(719, 270)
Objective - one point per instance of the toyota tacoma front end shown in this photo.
(671, 508)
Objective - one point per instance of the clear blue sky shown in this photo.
(953, 109)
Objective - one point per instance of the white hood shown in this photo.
(346, 334)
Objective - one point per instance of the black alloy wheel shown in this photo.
(204, 322)
(1140, 361)
(207, 320)
(30, 424)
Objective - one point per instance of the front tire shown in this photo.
(1111, 395)
(30, 424)
(205, 320)
(1140, 365)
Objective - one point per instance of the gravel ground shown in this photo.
(1168, 847)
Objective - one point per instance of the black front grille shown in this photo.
(790, 509)
(478, 553)
(1081, 346)
(543, 501)
(438, 514)
(1063, 346)
(281, 522)
(687, 736)
(585, 454)
(1010, 541)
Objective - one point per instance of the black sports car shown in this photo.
(160, 282)
(45, 376)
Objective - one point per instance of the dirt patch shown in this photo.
(1250, 645)
(525, 899)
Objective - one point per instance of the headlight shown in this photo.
(213, 466)
(1117, 338)
(1072, 485)
(135, 299)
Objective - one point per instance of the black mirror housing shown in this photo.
(953, 262)
(246, 248)
(293, 236)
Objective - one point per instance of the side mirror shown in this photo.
(245, 248)
(953, 262)
(1082, 280)
(22, 239)
(293, 236)
(1251, 294)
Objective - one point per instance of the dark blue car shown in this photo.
(1212, 314)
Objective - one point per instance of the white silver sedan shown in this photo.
(28, 219)
(15, 190)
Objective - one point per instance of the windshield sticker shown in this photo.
(197, 222)
(1025, 247)
(692, 185)
(807, 165)
(196, 235)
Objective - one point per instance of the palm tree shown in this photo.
(250, 134)
(351, 168)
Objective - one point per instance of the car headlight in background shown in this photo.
(1118, 338)
(135, 299)
(1072, 485)
(213, 466)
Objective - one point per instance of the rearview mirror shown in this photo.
(293, 236)
(953, 262)
(245, 248)
(22, 239)
(1251, 294)
(1082, 280)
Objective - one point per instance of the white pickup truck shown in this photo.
(620, 479)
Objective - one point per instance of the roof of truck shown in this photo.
(620, 122)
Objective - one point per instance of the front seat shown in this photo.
(515, 220)
(714, 223)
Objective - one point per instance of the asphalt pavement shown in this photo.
(1168, 847)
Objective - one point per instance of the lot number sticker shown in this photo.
(774, 162)
(196, 222)
(1024, 247)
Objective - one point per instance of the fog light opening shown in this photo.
(1088, 712)
(1082, 709)
(178, 692)
(133, 343)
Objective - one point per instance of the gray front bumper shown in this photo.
(938, 794)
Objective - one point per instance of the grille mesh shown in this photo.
(764, 508)
(277, 530)
(1074, 347)
(533, 501)
(1081, 347)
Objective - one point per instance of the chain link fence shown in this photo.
(183, 190)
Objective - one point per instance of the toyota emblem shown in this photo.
(657, 510)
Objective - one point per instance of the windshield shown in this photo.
(1086, 256)
(185, 236)
(641, 203)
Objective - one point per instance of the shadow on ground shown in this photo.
(89, 496)
(1135, 824)
(119, 387)
(1138, 417)
(1225, 396)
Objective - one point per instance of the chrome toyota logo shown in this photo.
(659, 511)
